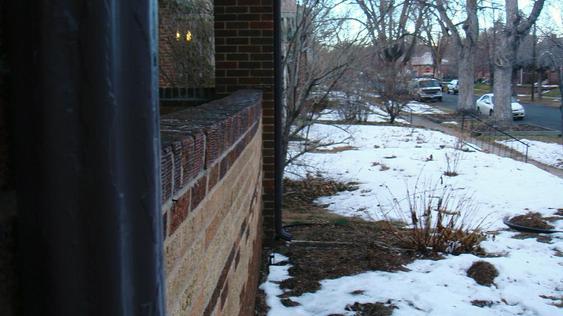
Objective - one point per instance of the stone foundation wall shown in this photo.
(212, 204)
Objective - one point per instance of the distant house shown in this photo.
(422, 65)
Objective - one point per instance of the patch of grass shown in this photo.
(340, 221)
(553, 93)
(482, 87)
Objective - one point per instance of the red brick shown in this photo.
(179, 211)
(198, 191)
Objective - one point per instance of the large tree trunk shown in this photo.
(516, 27)
(561, 93)
(503, 93)
(466, 71)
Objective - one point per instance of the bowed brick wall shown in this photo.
(212, 204)
(244, 46)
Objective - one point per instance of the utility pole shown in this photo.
(534, 68)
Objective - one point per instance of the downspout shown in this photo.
(87, 147)
(278, 133)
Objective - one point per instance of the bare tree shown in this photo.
(393, 27)
(515, 28)
(435, 37)
(316, 57)
(466, 44)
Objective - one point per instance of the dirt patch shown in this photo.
(298, 206)
(539, 237)
(328, 251)
(382, 166)
(483, 272)
(328, 246)
(556, 301)
(482, 303)
(533, 220)
(371, 309)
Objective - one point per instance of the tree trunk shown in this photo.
(515, 28)
(503, 93)
(466, 72)
(504, 59)
(561, 93)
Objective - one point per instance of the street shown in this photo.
(536, 114)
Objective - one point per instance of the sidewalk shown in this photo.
(421, 121)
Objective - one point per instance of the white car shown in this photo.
(485, 105)
(453, 86)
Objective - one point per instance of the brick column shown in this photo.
(244, 46)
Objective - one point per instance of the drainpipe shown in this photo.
(278, 133)
(87, 157)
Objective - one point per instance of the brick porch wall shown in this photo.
(244, 45)
(212, 202)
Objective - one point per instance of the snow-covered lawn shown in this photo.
(422, 108)
(546, 153)
(415, 160)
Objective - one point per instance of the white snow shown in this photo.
(546, 153)
(422, 108)
(375, 115)
(530, 271)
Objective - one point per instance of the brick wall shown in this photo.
(212, 201)
(244, 44)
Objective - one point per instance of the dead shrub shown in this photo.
(483, 272)
(453, 159)
(439, 222)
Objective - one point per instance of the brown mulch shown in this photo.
(329, 251)
(483, 272)
(531, 219)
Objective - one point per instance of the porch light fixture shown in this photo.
(178, 36)
(189, 36)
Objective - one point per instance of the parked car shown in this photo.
(453, 87)
(485, 105)
(425, 89)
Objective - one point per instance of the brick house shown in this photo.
(120, 211)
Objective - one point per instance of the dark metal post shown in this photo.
(278, 134)
(88, 156)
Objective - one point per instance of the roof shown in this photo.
(424, 59)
